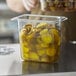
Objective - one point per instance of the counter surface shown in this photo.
(11, 63)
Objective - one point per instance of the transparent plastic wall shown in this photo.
(40, 37)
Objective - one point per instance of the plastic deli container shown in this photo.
(40, 37)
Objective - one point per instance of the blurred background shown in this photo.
(9, 30)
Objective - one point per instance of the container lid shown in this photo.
(38, 18)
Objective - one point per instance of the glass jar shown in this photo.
(40, 37)
(58, 5)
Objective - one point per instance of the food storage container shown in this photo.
(40, 37)
(58, 5)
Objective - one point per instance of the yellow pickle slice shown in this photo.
(46, 37)
(56, 34)
(51, 51)
(28, 28)
(42, 25)
(34, 56)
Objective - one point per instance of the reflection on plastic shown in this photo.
(35, 67)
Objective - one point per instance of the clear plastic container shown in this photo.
(40, 37)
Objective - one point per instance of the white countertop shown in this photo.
(10, 64)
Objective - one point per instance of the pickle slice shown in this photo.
(51, 51)
(41, 52)
(25, 49)
(46, 37)
(28, 28)
(42, 25)
(34, 56)
(25, 56)
(55, 32)
(44, 59)
(22, 33)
